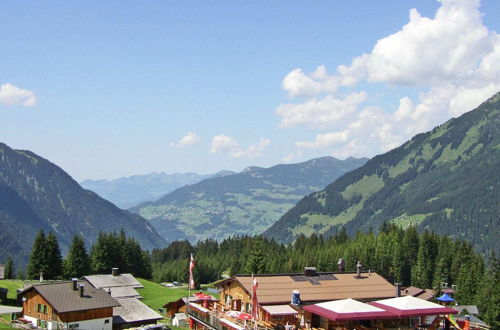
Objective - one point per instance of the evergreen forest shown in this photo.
(412, 258)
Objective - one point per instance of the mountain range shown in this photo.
(242, 203)
(446, 180)
(36, 194)
(130, 191)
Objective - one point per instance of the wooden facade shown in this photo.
(34, 301)
(31, 307)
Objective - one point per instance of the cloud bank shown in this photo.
(451, 61)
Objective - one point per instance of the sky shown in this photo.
(107, 89)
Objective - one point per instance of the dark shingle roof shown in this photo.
(63, 298)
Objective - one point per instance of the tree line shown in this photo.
(425, 260)
(110, 250)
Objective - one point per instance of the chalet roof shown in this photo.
(123, 292)
(109, 280)
(471, 309)
(425, 294)
(277, 289)
(63, 298)
(132, 310)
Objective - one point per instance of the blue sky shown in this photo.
(114, 88)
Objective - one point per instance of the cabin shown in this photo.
(68, 305)
(131, 312)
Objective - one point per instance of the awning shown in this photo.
(279, 310)
(409, 306)
(348, 309)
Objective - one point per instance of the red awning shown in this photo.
(348, 309)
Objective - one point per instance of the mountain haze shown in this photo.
(130, 191)
(36, 194)
(446, 180)
(242, 203)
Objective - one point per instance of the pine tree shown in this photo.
(37, 261)
(53, 258)
(103, 254)
(9, 268)
(77, 262)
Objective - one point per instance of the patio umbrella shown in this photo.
(245, 316)
(445, 298)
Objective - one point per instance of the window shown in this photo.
(40, 308)
(106, 321)
(73, 326)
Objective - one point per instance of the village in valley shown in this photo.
(340, 299)
(250, 165)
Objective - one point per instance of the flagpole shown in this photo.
(253, 307)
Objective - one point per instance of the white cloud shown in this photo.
(228, 145)
(451, 61)
(319, 113)
(325, 140)
(222, 143)
(12, 95)
(189, 139)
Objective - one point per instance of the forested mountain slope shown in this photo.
(36, 194)
(243, 203)
(136, 189)
(446, 180)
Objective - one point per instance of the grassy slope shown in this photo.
(155, 296)
(12, 285)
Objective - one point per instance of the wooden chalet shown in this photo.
(281, 297)
(68, 305)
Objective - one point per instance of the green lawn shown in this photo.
(12, 285)
(155, 295)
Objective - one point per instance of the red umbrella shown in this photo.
(245, 316)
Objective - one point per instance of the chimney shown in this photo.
(310, 271)
(82, 290)
(341, 265)
(398, 289)
(74, 283)
(358, 269)
(114, 271)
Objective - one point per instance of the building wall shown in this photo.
(95, 324)
(30, 307)
(236, 291)
(90, 314)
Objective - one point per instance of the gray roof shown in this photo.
(10, 309)
(133, 310)
(123, 292)
(63, 298)
(472, 309)
(109, 281)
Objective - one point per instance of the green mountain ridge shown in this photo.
(446, 180)
(243, 203)
(130, 191)
(36, 194)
